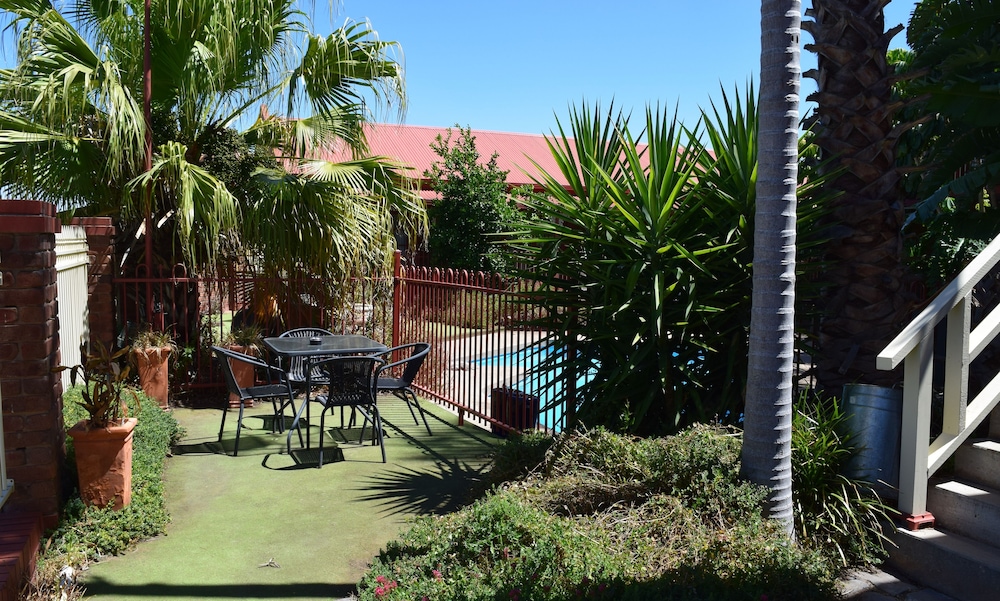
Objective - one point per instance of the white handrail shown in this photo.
(6, 485)
(919, 456)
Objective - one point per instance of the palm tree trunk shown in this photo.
(866, 297)
(768, 419)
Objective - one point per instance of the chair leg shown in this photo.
(416, 403)
(295, 426)
(377, 425)
(322, 428)
(225, 410)
(239, 426)
(401, 394)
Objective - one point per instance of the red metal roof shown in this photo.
(411, 145)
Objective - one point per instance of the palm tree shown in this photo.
(224, 178)
(766, 455)
(867, 295)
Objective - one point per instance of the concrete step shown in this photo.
(979, 461)
(965, 508)
(20, 537)
(965, 569)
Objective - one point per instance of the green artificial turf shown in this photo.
(268, 525)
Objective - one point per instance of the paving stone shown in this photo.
(874, 595)
(853, 585)
(926, 594)
(890, 583)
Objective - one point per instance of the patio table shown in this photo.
(318, 348)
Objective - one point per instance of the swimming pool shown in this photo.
(538, 382)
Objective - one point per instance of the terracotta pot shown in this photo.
(243, 372)
(104, 462)
(153, 374)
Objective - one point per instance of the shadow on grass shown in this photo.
(100, 586)
(443, 487)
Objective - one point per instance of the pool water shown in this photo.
(545, 385)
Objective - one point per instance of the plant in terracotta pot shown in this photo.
(151, 350)
(246, 340)
(103, 441)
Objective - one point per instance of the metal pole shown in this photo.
(147, 113)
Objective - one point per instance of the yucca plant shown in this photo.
(623, 259)
(644, 263)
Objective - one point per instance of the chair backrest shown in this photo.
(352, 379)
(306, 332)
(296, 365)
(411, 364)
(224, 357)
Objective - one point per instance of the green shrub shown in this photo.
(610, 517)
(839, 515)
(517, 456)
(87, 533)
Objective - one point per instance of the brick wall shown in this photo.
(34, 434)
(100, 304)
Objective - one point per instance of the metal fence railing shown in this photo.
(467, 317)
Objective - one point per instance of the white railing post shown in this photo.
(6, 485)
(917, 378)
(956, 366)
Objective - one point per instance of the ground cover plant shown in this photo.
(85, 534)
(606, 516)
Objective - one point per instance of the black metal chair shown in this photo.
(296, 365)
(397, 377)
(351, 384)
(278, 387)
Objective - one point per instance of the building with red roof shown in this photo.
(411, 146)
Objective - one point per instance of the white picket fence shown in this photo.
(71, 281)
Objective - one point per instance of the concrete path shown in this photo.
(884, 585)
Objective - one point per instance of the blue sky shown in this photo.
(516, 65)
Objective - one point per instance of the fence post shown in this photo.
(397, 296)
(33, 429)
(100, 293)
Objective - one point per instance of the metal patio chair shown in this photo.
(278, 390)
(397, 377)
(351, 384)
(296, 365)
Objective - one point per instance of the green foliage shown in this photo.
(942, 245)
(839, 515)
(474, 206)
(104, 386)
(148, 338)
(674, 521)
(215, 190)
(518, 455)
(643, 265)
(89, 533)
(250, 337)
(952, 146)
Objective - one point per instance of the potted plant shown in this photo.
(246, 340)
(151, 349)
(103, 441)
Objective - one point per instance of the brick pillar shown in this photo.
(100, 302)
(34, 434)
